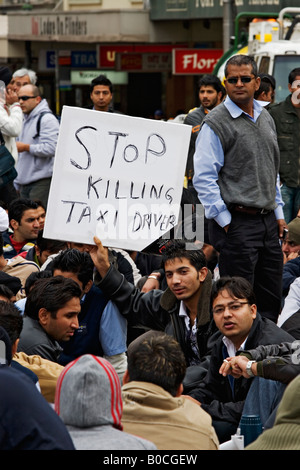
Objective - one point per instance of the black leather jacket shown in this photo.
(158, 310)
(214, 392)
(280, 362)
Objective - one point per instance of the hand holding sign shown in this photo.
(116, 176)
(99, 255)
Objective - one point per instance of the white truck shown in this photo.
(275, 45)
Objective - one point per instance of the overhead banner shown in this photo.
(195, 61)
(117, 177)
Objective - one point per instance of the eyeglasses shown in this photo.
(25, 98)
(234, 80)
(232, 307)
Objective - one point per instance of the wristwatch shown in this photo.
(248, 368)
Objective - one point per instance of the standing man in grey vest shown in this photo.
(236, 176)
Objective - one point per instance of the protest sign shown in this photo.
(117, 177)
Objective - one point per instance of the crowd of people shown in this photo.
(107, 349)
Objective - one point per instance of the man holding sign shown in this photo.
(183, 310)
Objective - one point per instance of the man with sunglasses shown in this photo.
(236, 176)
(36, 149)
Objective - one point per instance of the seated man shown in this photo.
(240, 327)
(42, 372)
(291, 244)
(51, 315)
(102, 329)
(97, 423)
(182, 311)
(291, 251)
(17, 267)
(24, 223)
(153, 406)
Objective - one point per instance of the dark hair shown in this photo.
(212, 80)
(51, 294)
(53, 246)
(265, 77)
(11, 320)
(35, 276)
(17, 208)
(267, 82)
(293, 74)
(157, 358)
(101, 80)
(177, 249)
(76, 262)
(239, 60)
(40, 203)
(264, 87)
(237, 286)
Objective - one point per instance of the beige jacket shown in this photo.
(47, 372)
(21, 268)
(171, 423)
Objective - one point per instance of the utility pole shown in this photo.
(227, 24)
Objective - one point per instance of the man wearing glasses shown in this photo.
(36, 147)
(241, 328)
(236, 176)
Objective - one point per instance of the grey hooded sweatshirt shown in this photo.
(89, 401)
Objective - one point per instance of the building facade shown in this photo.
(153, 50)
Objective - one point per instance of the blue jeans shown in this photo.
(263, 398)
(291, 199)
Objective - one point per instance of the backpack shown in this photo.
(38, 124)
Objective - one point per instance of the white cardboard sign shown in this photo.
(117, 177)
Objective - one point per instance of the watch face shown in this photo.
(248, 368)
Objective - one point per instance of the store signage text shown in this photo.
(195, 61)
(64, 26)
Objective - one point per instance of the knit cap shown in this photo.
(88, 393)
(294, 231)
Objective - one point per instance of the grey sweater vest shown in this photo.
(251, 158)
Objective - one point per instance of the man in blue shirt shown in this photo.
(236, 176)
(102, 329)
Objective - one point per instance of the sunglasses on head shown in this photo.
(25, 98)
(234, 80)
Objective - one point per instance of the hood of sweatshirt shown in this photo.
(88, 393)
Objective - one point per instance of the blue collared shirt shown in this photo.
(206, 170)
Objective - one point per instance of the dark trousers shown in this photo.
(251, 249)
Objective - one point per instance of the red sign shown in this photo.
(195, 61)
(107, 54)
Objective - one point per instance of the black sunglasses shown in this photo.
(25, 98)
(234, 80)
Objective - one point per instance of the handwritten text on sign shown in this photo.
(116, 176)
